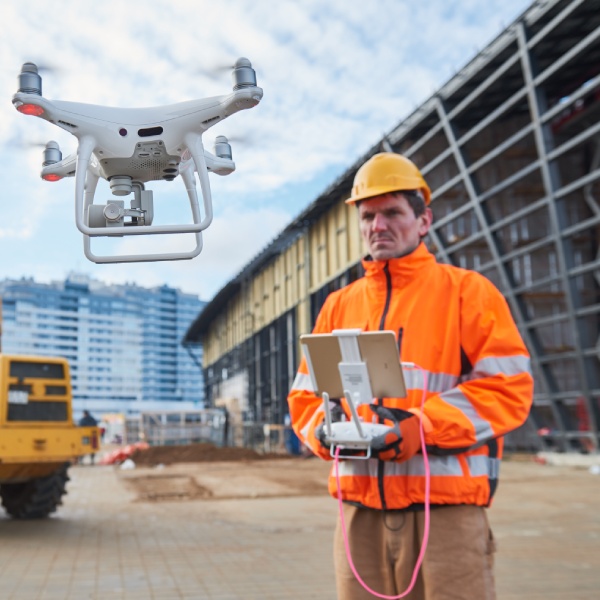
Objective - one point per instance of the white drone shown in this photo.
(131, 146)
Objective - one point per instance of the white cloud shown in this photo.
(336, 76)
(230, 242)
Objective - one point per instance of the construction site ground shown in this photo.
(259, 528)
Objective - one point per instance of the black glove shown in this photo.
(321, 435)
(402, 440)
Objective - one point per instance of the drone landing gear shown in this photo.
(110, 220)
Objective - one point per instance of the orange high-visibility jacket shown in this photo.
(456, 326)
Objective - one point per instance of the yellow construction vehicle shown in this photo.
(38, 438)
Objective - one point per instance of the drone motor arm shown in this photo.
(218, 165)
(127, 258)
(55, 171)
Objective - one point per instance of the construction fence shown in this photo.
(167, 428)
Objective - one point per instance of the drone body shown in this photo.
(130, 147)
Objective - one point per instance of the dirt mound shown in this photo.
(203, 452)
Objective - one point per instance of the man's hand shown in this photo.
(402, 440)
(321, 435)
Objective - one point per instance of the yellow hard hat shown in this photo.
(387, 172)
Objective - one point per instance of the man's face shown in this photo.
(389, 227)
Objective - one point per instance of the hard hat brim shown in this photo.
(382, 190)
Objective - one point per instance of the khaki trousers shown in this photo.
(458, 563)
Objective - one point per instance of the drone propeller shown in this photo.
(43, 67)
(46, 68)
(26, 145)
(30, 79)
(243, 73)
(217, 69)
(236, 139)
(52, 153)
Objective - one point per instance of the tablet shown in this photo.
(377, 349)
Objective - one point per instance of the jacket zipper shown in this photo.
(388, 297)
(386, 308)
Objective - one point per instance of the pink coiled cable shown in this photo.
(426, 503)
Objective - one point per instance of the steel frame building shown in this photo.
(510, 147)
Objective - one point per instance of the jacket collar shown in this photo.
(401, 269)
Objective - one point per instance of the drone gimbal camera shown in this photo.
(131, 146)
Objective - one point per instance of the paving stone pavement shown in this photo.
(104, 544)
(101, 544)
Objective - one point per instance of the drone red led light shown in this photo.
(51, 177)
(31, 109)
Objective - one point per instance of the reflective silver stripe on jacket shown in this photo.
(483, 430)
(484, 465)
(302, 381)
(479, 465)
(486, 367)
(500, 365)
(319, 415)
(436, 382)
(445, 386)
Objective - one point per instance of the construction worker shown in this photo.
(87, 420)
(457, 327)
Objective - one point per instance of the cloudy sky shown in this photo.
(336, 75)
